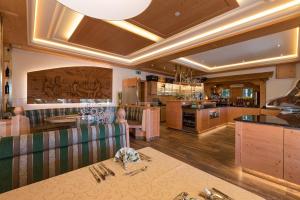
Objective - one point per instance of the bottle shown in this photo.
(6, 88)
(7, 72)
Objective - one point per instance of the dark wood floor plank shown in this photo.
(214, 154)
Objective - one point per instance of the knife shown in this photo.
(107, 169)
(95, 175)
(99, 173)
(104, 172)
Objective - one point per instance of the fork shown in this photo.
(134, 172)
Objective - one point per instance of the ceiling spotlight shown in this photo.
(278, 45)
(177, 13)
(122, 9)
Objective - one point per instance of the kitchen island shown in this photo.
(269, 146)
(182, 116)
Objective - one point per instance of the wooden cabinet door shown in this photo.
(202, 120)
(223, 115)
(262, 148)
(292, 155)
(174, 114)
(213, 122)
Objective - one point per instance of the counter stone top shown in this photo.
(186, 106)
(288, 120)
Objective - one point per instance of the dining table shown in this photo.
(164, 178)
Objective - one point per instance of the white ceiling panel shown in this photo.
(283, 43)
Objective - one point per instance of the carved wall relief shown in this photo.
(71, 84)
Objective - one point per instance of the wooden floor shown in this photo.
(213, 152)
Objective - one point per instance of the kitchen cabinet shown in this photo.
(268, 149)
(163, 113)
(174, 114)
(262, 148)
(206, 122)
(223, 115)
(292, 155)
(202, 120)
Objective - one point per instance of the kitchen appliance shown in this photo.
(152, 78)
(214, 114)
(189, 118)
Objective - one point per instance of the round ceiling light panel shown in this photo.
(108, 9)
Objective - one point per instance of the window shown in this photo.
(225, 93)
(248, 92)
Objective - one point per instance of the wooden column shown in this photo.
(151, 123)
(263, 93)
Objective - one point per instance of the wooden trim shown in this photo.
(244, 77)
(262, 93)
(286, 71)
(238, 135)
(69, 55)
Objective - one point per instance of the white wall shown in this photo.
(275, 87)
(27, 61)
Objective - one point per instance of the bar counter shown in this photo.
(269, 146)
(208, 118)
(288, 120)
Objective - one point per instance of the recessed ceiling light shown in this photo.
(73, 25)
(135, 29)
(177, 13)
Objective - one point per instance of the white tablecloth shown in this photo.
(165, 178)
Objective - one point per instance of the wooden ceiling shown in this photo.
(160, 17)
(15, 31)
(104, 36)
(14, 21)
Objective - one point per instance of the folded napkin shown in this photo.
(127, 155)
(184, 196)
